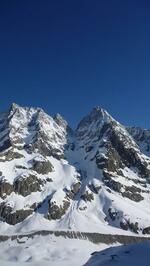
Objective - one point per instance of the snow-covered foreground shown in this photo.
(59, 251)
(47, 250)
(133, 254)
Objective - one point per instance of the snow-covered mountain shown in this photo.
(95, 178)
(142, 138)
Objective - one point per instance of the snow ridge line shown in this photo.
(92, 237)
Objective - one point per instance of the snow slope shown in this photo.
(134, 254)
(93, 179)
(47, 250)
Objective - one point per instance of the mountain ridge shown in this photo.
(96, 177)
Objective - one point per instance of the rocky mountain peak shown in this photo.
(14, 106)
(32, 129)
(97, 116)
(99, 171)
(99, 112)
(60, 120)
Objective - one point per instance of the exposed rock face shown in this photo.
(49, 169)
(131, 192)
(5, 188)
(111, 183)
(10, 155)
(127, 225)
(124, 225)
(142, 138)
(133, 196)
(75, 188)
(113, 214)
(56, 212)
(43, 168)
(133, 227)
(6, 212)
(87, 196)
(146, 230)
(26, 185)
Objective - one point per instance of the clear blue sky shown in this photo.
(68, 56)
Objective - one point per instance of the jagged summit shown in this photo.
(97, 110)
(94, 179)
(14, 106)
(30, 129)
(98, 115)
(60, 120)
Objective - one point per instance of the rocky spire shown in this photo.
(97, 114)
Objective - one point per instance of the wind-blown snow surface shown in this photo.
(58, 251)
(47, 250)
(130, 255)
